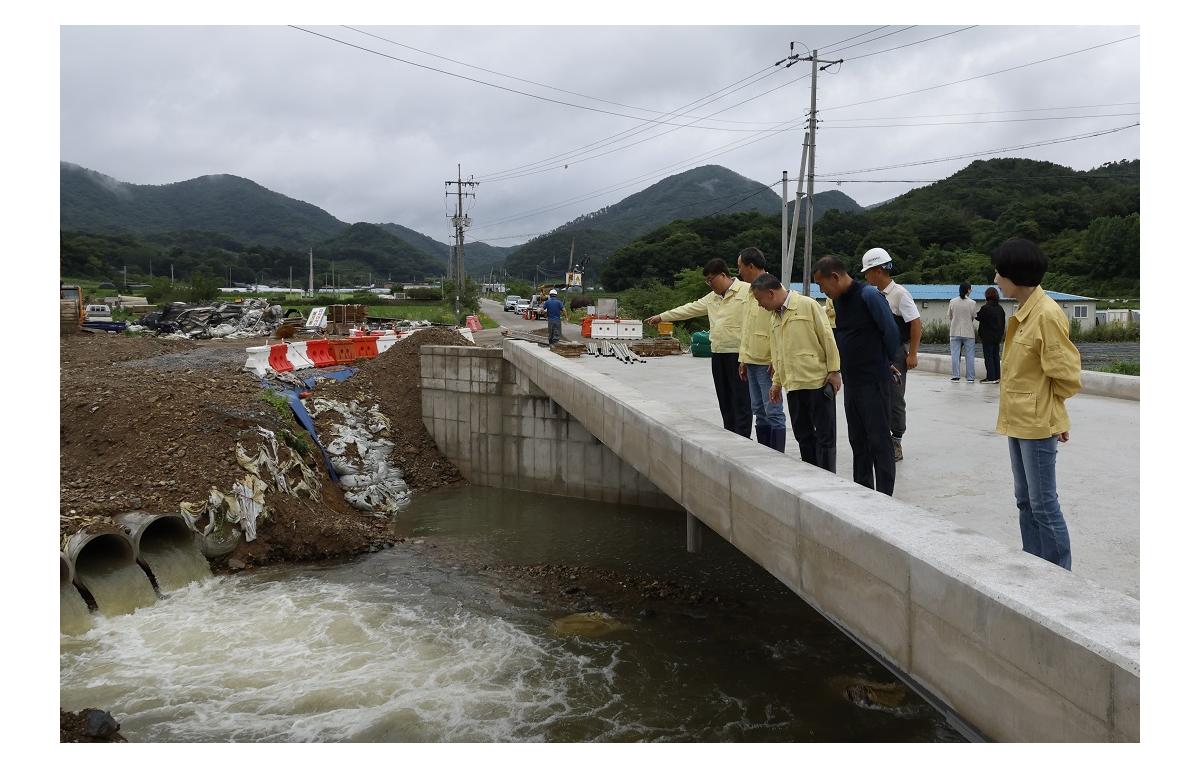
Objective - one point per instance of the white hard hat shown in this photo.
(553, 292)
(874, 258)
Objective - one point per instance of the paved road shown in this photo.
(495, 310)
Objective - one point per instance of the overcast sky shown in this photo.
(370, 138)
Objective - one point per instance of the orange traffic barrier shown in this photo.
(364, 347)
(320, 353)
(473, 323)
(587, 327)
(343, 350)
(278, 358)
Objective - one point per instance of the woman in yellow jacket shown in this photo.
(1041, 369)
(726, 307)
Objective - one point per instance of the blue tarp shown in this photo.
(302, 415)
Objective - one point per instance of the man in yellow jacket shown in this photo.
(806, 363)
(725, 306)
(1041, 369)
(754, 358)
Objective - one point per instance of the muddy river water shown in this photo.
(504, 616)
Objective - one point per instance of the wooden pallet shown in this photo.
(660, 347)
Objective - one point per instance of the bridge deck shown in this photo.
(955, 464)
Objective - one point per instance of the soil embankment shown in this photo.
(147, 423)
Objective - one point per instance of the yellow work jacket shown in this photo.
(726, 315)
(830, 314)
(1038, 372)
(803, 351)
(756, 334)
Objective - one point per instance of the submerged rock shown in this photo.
(590, 624)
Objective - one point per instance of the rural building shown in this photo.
(934, 302)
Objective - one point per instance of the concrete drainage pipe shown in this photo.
(74, 618)
(105, 568)
(166, 547)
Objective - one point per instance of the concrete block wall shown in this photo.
(1094, 382)
(1018, 648)
(503, 431)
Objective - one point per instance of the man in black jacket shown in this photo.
(867, 339)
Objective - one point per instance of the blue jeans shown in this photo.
(1043, 529)
(766, 413)
(959, 344)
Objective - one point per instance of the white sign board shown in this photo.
(316, 318)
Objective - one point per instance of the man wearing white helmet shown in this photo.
(554, 309)
(876, 268)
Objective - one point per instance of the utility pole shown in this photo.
(461, 222)
(811, 149)
(289, 278)
(311, 292)
(784, 276)
(172, 274)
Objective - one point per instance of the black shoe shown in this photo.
(954, 378)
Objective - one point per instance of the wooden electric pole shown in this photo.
(461, 221)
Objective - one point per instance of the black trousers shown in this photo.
(733, 394)
(898, 404)
(814, 423)
(991, 360)
(868, 418)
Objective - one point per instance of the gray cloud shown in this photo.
(370, 139)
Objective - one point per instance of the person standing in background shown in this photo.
(962, 332)
(991, 334)
(554, 310)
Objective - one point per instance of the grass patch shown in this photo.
(434, 313)
(935, 333)
(1106, 332)
(1125, 367)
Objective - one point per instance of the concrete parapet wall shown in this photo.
(503, 431)
(1094, 382)
(1018, 648)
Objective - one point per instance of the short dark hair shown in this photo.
(1021, 261)
(963, 290)
(827, 265)
(765, 282)
(991, 294)
(752, 257)
(716, 267)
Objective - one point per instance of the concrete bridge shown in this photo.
(1011, 647)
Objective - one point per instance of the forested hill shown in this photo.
(710, 189)
(481, 259)
(235, 207)
(1086, 221)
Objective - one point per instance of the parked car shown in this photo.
(510, 303)
(521, 305)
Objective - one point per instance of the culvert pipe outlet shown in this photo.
(74, 617)
(105, 567)
(166, 546)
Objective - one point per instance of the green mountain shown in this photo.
(704, 191)
(481, 259)
(231, 205)
(1087, 222)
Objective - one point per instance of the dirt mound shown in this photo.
(393, 380)
(148, 436)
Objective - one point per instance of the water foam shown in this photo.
(307, 659)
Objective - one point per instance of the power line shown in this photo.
(906, 45)
(629, 131)
(744, 199)
(522, 79)
(506, 88)
(648, 138)
(848, 39)
(995, 112)
(982, 122)
(1047, 142)
(978, 77)
(864, 42)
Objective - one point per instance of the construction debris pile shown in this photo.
(355, 438)
(226, 319)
